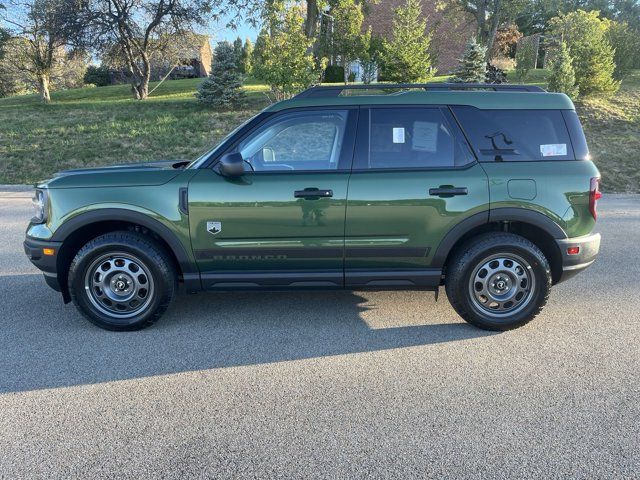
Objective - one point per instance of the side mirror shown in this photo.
(231, 165)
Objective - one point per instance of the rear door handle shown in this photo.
(448, 191)
(313, 193)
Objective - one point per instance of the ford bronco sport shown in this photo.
(487, 190)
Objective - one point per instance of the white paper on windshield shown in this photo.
(425, 136)
(553, 149)
(398, 135)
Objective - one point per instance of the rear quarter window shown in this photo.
(516, 135)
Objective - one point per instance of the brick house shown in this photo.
(449, 34)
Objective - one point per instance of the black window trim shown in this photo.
(362, 141)
(346, 153)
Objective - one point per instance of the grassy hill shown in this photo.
(102, 126)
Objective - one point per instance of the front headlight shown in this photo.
(40, 206)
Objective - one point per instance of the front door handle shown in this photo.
(448, 191)
(313, 193)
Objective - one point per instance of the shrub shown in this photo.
(473, 66)
(334, 74)
(98, 76)
(563, 78)
(495, 75)
(593, 58)
(223, 87)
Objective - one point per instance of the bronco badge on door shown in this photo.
(214, 228)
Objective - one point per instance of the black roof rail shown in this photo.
(320, 91)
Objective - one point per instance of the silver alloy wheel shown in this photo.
(502, 285)
(119, 285)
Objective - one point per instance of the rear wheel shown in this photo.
(498, 281)
(122, 281)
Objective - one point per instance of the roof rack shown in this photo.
(319, 91)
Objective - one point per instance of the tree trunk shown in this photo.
(495, 21)
(43, 87)
(140, 85)
(312, 18)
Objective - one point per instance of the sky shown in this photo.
(219, 32)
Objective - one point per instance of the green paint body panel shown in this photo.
(562, 190)
(395, 209)
(264, 227)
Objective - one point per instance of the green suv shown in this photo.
(487, 190)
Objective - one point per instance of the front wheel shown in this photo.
(498, 281)
(122, 281)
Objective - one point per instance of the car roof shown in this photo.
(486, 100)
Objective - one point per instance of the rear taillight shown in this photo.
(594, 196)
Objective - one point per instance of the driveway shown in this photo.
(324, 385)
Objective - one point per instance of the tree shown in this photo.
(525, 58)
(258, 54)
(371, 57)
(347, 42)
(473, 66)
(44, 29)
(285, 62)
(488, 15)
(586, 37)
(247, 54)
(223, 87)
(626, 45)
(140, 27)
(406, 55)
(237, 51)
(563, 76)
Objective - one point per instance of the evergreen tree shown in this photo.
(593, 57)
(223, 87)
(237, 51)
(247, 55)
(406, 57)
(473, 66)
(563, 77)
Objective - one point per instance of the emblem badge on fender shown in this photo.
(214, 228)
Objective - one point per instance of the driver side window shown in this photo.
(297, 141)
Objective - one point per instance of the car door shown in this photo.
(280, 224)
(414, 178)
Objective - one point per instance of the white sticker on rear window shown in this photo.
(553, 149)
(425, 136)
(398, 135)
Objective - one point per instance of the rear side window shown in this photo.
(516, 135)
(412, 138)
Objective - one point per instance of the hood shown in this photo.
(125, 175)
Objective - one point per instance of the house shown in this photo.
(194, 55)
(450, 32)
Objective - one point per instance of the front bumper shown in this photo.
(589, 246)
(34, 249)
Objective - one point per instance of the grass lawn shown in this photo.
(103, 126)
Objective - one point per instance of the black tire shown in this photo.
(121, 303)
(480, 256)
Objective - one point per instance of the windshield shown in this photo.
(198, 161)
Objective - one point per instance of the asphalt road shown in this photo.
(324, 385)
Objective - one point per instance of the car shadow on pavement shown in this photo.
(45, 344)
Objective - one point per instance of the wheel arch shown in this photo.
(534, 226)
(80, 229)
